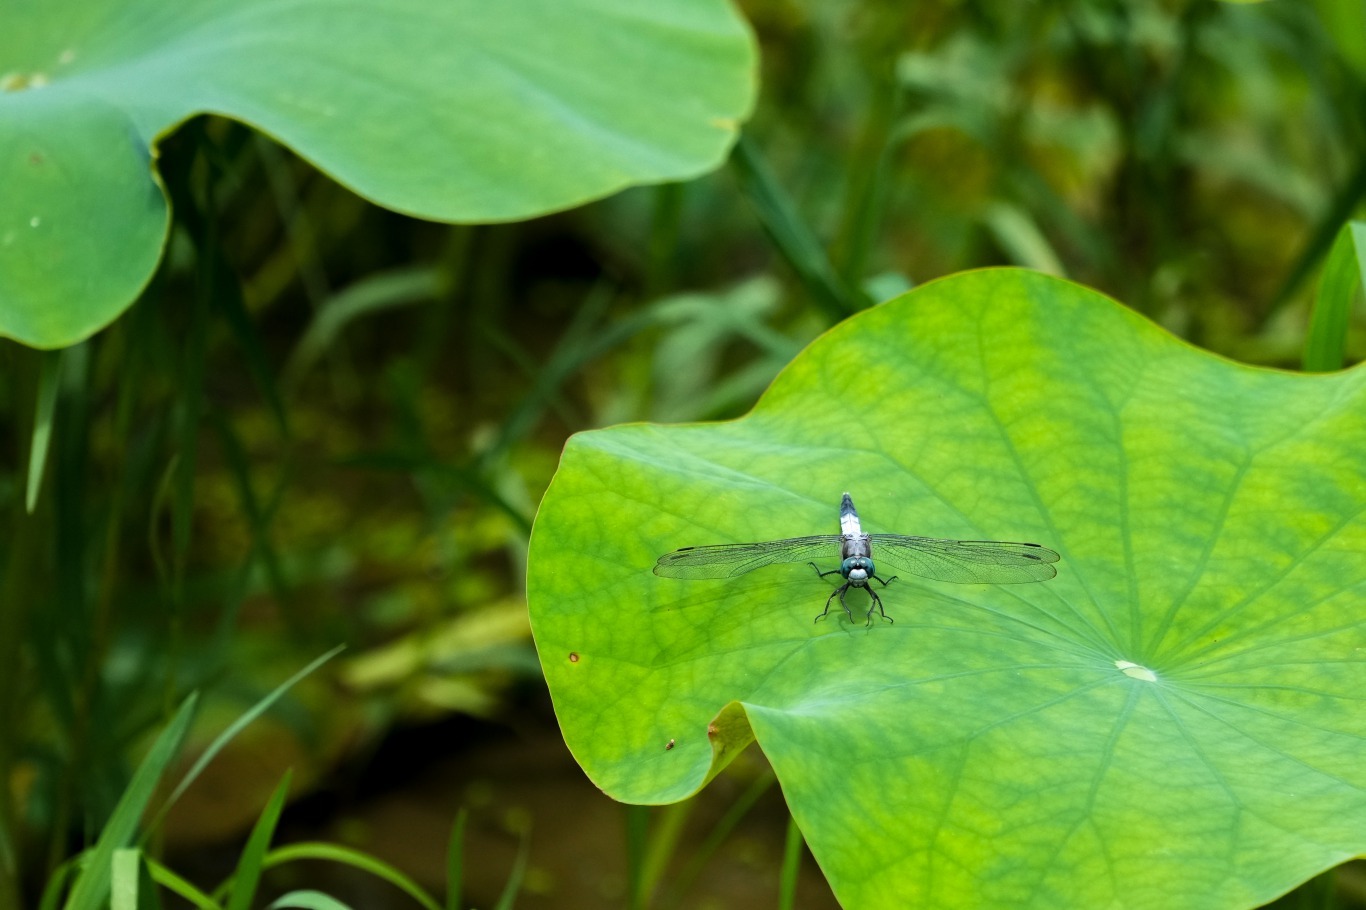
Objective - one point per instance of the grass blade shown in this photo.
(455, 861)
(236, 727)
(662, 845)
(514, 884)
(718, 834)
(131, 888)
(189, 408)
(234, 312)
(258, 519)
(92, 882)
(354, 858)
(123, 879)
(1344, 274)
(1344, 203)
(637, 831)
(369, 295)
(56, 884)
(49, 378)
(791, 235)
(792, 865)
(179, 887)
(248, 872)
(1019, 236)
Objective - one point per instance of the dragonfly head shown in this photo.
(857, 570)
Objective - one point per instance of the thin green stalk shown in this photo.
(792, 865)
(232, 605)
(513, 887)
(74, 687)
(857, 234)
(247, 876)
(588, 337)
(1321, 239)
(663, 844)
(9, 860)
(793, 238)
(225, 737)
(867, 168)
(49, 380)
(91, 886)
(637, 832)
(315, 851)
(295, 218)
(193, 201)
(303, 248)
(432, 349)
(662, 249)
(92, 662)
(1344, 275)
(258, 520)
(466, 479)
(418, 285)
(455, 860)
(17, 594)
(737, 811)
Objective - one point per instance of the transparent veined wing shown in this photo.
(728, 560)
(993, 562)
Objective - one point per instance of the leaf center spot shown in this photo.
(1136, 671)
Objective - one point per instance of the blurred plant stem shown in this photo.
(637, 834)
(22, 569)
(792, 865)
(865, 198)
(661, 273)
(1320, 241)
(792, 236)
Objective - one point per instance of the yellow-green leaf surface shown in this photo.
(1175, 721)
(458, 110)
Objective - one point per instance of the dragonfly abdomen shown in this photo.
(849, 523)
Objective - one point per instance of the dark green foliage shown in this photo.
(324, 422)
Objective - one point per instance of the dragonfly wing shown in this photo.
(728, 560)
(992, 562)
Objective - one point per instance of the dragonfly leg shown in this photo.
(842, 591)
(887, 582)
(838, 591)
(820, 573)
(876, 604)
(822, 614)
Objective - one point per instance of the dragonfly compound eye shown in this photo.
(857, 569)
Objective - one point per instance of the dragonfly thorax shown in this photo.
(857, 569)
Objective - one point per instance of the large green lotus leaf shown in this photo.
(1176, 720)
(460, 110)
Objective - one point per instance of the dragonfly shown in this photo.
(993, 562)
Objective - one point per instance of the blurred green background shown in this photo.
(366, 467)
